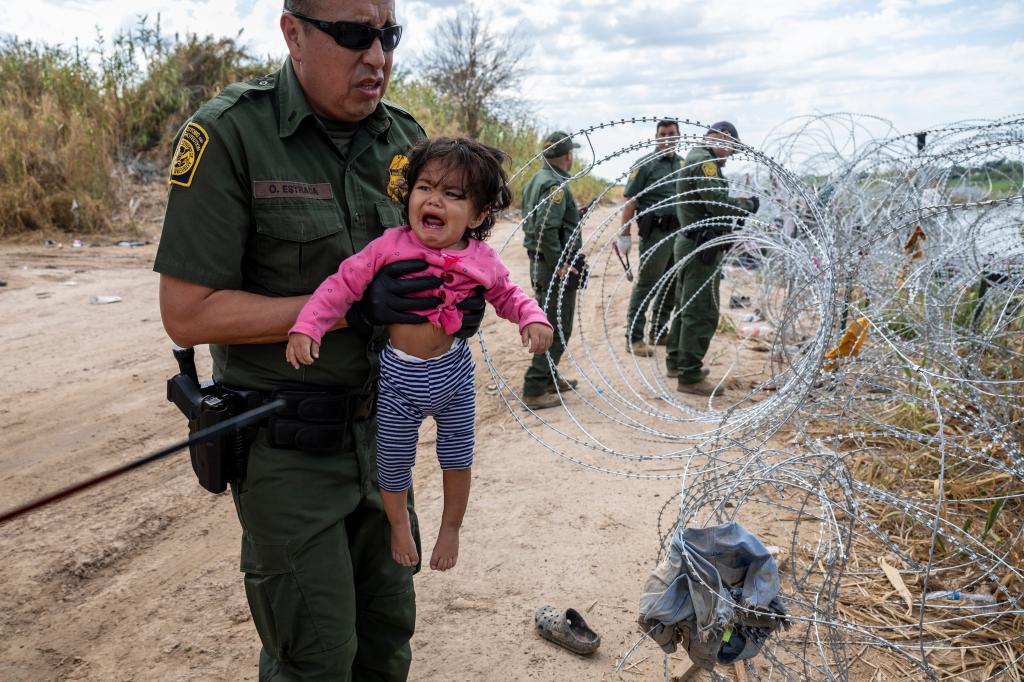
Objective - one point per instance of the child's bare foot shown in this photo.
(403, 547)
(446, 550)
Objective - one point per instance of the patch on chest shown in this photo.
(275, 189)
(188, 154)
(398, 187)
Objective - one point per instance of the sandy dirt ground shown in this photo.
(138, 579)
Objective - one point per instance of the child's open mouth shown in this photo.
(432, 222)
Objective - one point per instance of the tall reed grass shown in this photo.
(73, 118)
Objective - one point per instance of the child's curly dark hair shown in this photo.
(483, 176)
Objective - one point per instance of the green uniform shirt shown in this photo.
(550, 227)
(263, 201)
(704, 191)
(649, 186)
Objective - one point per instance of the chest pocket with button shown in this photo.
(295, 247)
(389, 214)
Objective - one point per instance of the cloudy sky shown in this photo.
(756, 63)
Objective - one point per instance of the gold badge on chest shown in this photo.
(398, 188)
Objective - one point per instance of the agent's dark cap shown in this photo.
(727, 128)
(562, 144)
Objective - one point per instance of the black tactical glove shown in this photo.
(385, 301)
(756, 201)
(472, 313)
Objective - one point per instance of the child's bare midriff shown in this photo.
(420, 340)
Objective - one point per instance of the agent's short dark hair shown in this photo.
(667, 122)
(483, 176)
(307, 7)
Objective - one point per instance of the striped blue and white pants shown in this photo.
(409, 389)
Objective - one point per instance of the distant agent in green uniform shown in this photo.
(273, 183)
(552, 245)
(705, 210)
(650, 194)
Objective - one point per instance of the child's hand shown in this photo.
(537, 337)
(301, 349)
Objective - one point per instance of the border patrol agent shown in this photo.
(273, 183)
(649, 193)
(704, 211)
(552, 218)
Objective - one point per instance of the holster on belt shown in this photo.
(647, 224)
(220, 460)
(701, 237)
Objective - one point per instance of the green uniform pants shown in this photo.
(659, 259)
(696, 322)
(326, 597)
(538, 377)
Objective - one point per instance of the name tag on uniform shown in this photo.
(274, 189)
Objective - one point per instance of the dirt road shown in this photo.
(138, 579)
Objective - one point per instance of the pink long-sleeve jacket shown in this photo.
(460, 271)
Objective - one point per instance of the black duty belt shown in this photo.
(315, 420)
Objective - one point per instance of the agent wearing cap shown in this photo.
(552, 243)
(705, 210)
(650, 194)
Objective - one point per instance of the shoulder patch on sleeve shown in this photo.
(557, 195)
(709, 168)
(188, 154)
(633, 174)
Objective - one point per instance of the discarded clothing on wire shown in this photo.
(716, 593)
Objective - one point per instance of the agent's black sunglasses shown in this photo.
(355, 36)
